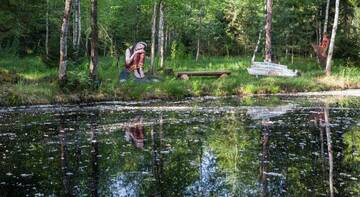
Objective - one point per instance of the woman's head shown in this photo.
(140, 46)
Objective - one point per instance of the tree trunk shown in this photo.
(332, 40)
(161, 33)
(76, 26)
(63, 42)
(94, 39)
(153, 38)
(257, 46)
(320, 29)
(166, 39)
(201, 15)
(268, 31)
(137, 19)
(47, 29)
(198, 49)
(326, 16)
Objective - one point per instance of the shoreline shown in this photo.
(89, 102)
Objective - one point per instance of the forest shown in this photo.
(179, 98)
(56, 51)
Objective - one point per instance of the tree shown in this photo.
(201, 16)
(153, 37)
(63, 42)
(332, 40)
(161, 33)
(94, 40)
(47, 29)
(76, 26)
(326, 15)
(268, 31)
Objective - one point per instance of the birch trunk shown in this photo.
(201, 14)
(137, 22)
(94, 39)
(76, 25)
(268, 31)
(166, 39)
(153, 38)
(63, 42)
(161, 33)
(332, 40)
(47, 29)
(326, 16)
(198, 49)
(257, 46)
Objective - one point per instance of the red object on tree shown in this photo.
(325, 42)
(321, 50)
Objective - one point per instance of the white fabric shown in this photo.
(128, 57)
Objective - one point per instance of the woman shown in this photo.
(134, 61)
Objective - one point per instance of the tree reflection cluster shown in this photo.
(260, 151)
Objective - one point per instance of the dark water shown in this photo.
(204, 147)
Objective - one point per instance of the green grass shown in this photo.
(29, 81)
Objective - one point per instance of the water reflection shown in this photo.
(94, 183)
(64, 161)
(263, 116)
(157, 158)
(330, 149)
(322, 121)
(264, 161)
(135, 132)
(280, 149)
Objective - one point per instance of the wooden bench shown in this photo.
(185, 75)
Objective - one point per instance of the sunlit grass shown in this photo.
(29, 81)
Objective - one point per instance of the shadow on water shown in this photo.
(261, 146)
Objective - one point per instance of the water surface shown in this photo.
(256, 146)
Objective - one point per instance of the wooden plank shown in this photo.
(203, 73)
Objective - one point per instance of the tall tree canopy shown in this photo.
(218, 27)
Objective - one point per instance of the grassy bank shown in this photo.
(29, 81)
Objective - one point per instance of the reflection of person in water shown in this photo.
(135, 132)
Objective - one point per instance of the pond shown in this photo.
(235, 146)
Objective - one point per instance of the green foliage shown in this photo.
(227, 27)
(178, 51)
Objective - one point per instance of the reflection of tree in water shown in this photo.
(131, 183)
(70, 180)
(264, 161)
(236, 149)
(94, 183)
(270, 182)
(157, 158)
(330, 150)
(126, 184)
(64, 158)
(322, 120)
(211, 182)
(233, 144)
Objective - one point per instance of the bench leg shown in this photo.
(223, 76)
(184, 77)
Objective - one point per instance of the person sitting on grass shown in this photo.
(134, 61)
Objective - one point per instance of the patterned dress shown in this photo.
(136, 63)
